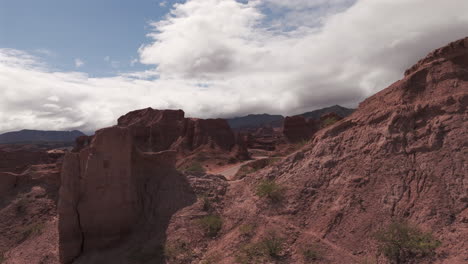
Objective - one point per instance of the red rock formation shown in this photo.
(157, 130)
(111, 188)
(401, 155)
(297, 128)
(19, 160)
(329, 119)
(28, 215)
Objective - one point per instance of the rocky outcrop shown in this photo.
(401, 156)
(114, 188)
(297, 128)
(158, 130)
(17, 161)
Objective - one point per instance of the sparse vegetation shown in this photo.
(178, 251)
(195, 167)
(273, 244)
(401, 242)
(21, 204)
(211, 224)
(246, 230)
(206, 203)
(250, 253)
(32, 230)
(368, 261)
(211, 259)
(271, 190)
(255, 166)
(311, 254)
(329, 121)
(2, 258)
(302, 143)
(269, 247)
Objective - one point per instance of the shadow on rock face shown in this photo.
(116, 201)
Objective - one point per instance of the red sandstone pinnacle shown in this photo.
(102, 197)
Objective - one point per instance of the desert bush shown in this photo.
(273, 244)
(32, 230)
(195, 167)
(178, 251)
(251, 253)
(311, 254)
(271, 190)
(207, 205)
(211, 224)
(269, 247)
(401, 242)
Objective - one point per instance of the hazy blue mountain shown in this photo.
(256, 121)
(266, 120)
(32, 136)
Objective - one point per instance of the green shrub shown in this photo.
(269, 247)
(250, 253)
(207, 205)
(273, 245)
(401, 242)
(311, 254)
(32, 230)
(302, 143)
(178, 251)
(211, 224)
(270, 190)
(2, 258)
(195, 167)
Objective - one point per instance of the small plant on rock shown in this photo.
(195, 167)
(207, 204)
(211, 224)
(251, 253)
(271, 190)
(32, 230)
(401, 242)
(178, 251)
(273, 244)
(311, 254)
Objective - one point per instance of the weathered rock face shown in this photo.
(157, 130)
(19, 160)
(401, 155)
(111, 189)
(297, 128)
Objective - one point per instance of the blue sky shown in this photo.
(68, 64)
(61, 31)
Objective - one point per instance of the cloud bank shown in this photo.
(222, 58)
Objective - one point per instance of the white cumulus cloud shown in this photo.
(221, 58)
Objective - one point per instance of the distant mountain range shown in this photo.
(36, 136)
(266, 120)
